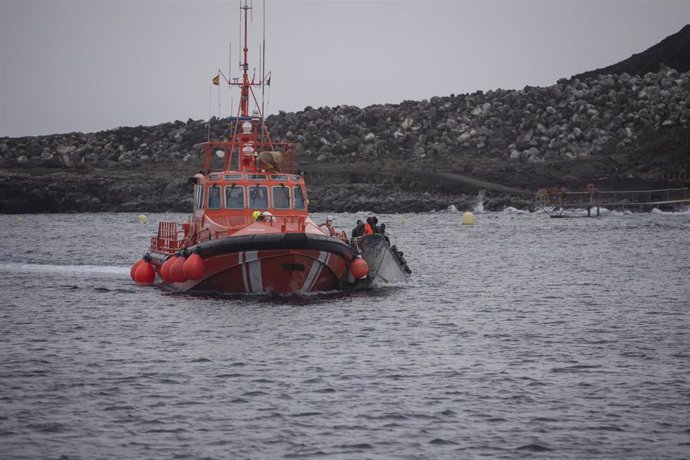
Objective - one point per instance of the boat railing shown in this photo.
(168, 239)
(228, 152)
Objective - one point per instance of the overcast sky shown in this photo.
(77, 65)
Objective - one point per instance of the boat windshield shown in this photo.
(214, 197)
(279, 177)
(258, 197)
(299, 197)
(234, 197)
(281, 197)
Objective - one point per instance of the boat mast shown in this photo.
(244, 100)
(263, 71)
(244, 131)
(247, 125)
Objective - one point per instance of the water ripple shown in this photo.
(520, 337)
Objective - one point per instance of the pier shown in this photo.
(555, 200)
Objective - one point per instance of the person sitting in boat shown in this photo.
(256, 215)
(385, 235)
(371, 226)
(368, 229)
(267, 217)
(359, 229)
(327, 227)
(375, 224)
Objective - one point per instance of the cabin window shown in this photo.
(232, 177)
(281, 197)
(213, 176)
(234, 197)
(198, 196)
(214, 197)
(299, 197)
(279, 177)
(256, 176)
(258, 197)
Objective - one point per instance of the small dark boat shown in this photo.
(386, 263)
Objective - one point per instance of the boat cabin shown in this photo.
(239, 194)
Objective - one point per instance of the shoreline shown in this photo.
(38, 191)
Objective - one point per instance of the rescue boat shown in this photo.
(250, 230)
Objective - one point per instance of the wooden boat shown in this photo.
(250, 231)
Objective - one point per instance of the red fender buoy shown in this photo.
(359, 267)
(145, 274)
(133, 270)
(165, 269)
(177, 270)
(194, 267)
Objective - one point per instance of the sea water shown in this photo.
(520, 336)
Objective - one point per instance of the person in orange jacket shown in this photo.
(372, 226)
(368, 227)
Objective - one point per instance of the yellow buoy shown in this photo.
(141, 218)
(468, 218)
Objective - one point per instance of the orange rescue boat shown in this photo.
(250, 230)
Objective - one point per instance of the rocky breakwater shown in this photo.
(615, 130)
(143, 168)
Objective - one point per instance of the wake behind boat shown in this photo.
(250, 230)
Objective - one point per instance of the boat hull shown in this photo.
(385, 266)
(282, 263)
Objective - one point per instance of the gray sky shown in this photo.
(77, 65)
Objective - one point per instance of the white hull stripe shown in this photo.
(254, 267)
(243, 269)
(315, 271)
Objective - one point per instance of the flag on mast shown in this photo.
(216, 80)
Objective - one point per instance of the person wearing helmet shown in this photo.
(267, 216)
(256, 215)
(327, 227)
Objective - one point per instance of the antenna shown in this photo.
(261, 72)
(209, 115)
(239, 34)
(246, 85)
(230, 62)
(263, 69)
